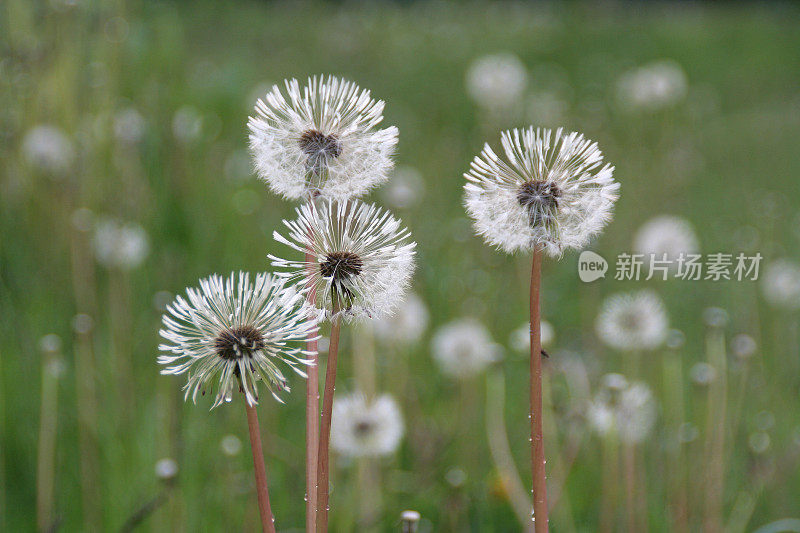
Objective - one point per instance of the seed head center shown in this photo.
(341, 266)
(316, 145)
(363, 428)
(237, 342)
(539, 194)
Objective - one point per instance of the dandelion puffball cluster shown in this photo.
(552, 190)
(233, 333)
(321, 140)
(623, 408)
(464, 348)
(361, 259)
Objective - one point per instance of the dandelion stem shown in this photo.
(537, 439)
(47, 447)
(267, 521)
(325, 427)
(715, 432)
(312, 419)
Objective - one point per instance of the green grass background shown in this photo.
(726, 158)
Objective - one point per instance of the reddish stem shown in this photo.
(537, 439)
(312, 418)
(267, 521)
(325, 429)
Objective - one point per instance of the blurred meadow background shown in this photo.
(126, 177)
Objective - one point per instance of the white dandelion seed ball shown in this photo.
(496, 81)
(668, 235)
(654, 86)
(633, 321)
(520, 338)
(187, 124)
(362, 428)
(407, 325)
(715, 317)
(464, 348)
(759, 442)
(48, 149)
(551, 190)
(129, 126)
(628, 409)
(321, 140)
(405, 188)
(166, 469)
(230, 445)
(50, 344)
(703, 374)
(743, 346)
(780, 284)
(120, 245)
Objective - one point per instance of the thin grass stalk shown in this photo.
(2, 450)
(561, 463)
(267, 519)
(676, 456)
(497, 436)
(325, 428)
(537, 440)
(715, 432)
(610, 484)
(46, 460)
(369, 485)
(312, 418)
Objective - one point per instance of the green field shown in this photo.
(724, 156)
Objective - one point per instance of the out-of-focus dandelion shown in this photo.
(187, 125)
(496, 81)
(232, 333)
(129, 126)
(633, 321)
(715, 317)
(781, 284)
(743, 346)
(52, 369)
(230, 445)
(654, 86)
(520, 338)
(668, 235)
(410, 521)
(359, 258)
(166, 469)
(702, 374)
(407, 325)
(364, 428)
(554, 192)
(405, 189)
(464, 348)
(321, 139)
(48, 149)
(120, 245)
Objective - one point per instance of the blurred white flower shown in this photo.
(50, 344)
(361, 258)
(361, 428)
(120, 245)
(166, 469)
(49, 150)
(405, 189)
(546, 108)
(666, 234)
(496, 81)
(520, 338)
(464, 348)
(553, 192)
(628, 409)
(743, 346)
(231, 334)
(230, 445)
(759, 442)
(715, 317)
(187, 124)
(322, 140)
(703, 374)
(781, 284)
(408, 323)
(653, 86)
(129, 126)
(633, 321)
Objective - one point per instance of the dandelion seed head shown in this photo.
(405, 188)
(633, 321)
(230, 445)
(363, 428)
(361, 260)
(123, 245)
(715, 317)
(464, 348)
(781, 284)
(166, 469)
(653, 86)
(129, 126)
(233, 333)
(759, 442)
(496, 81)
(321, 140)
(551, 190)
(668, 235)
(743, 346)
(48, 149)
(627, 409)
(407, 325)
(703, 374)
